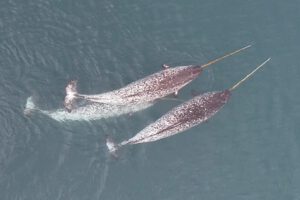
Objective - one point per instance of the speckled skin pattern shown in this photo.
(155, 86)
(90, 111)
(182, 117)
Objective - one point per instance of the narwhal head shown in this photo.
(185, 74)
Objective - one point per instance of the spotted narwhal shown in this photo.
(152, 87)
(87, 112)
(182, 117)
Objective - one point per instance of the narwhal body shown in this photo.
(152, 87)
(182, 117)
(89, 111)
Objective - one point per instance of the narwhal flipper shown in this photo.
(71, 93)
(165, 66)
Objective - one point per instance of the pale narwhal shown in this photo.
(182, 117)
(87, 112)
(150, 88)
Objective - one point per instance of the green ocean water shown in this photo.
(250, 150)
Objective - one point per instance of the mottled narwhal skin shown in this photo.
(177, 120)
(182, 117)
(148, 89)
(89, 111)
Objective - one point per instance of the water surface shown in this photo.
(250, 150)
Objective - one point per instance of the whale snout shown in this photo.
(187, 74)
(196, 70)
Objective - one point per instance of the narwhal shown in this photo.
(182, 117)
(152, 87)
(86, 112)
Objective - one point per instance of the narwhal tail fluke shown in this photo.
(71, 95)
(112, 146)
(29, 106)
